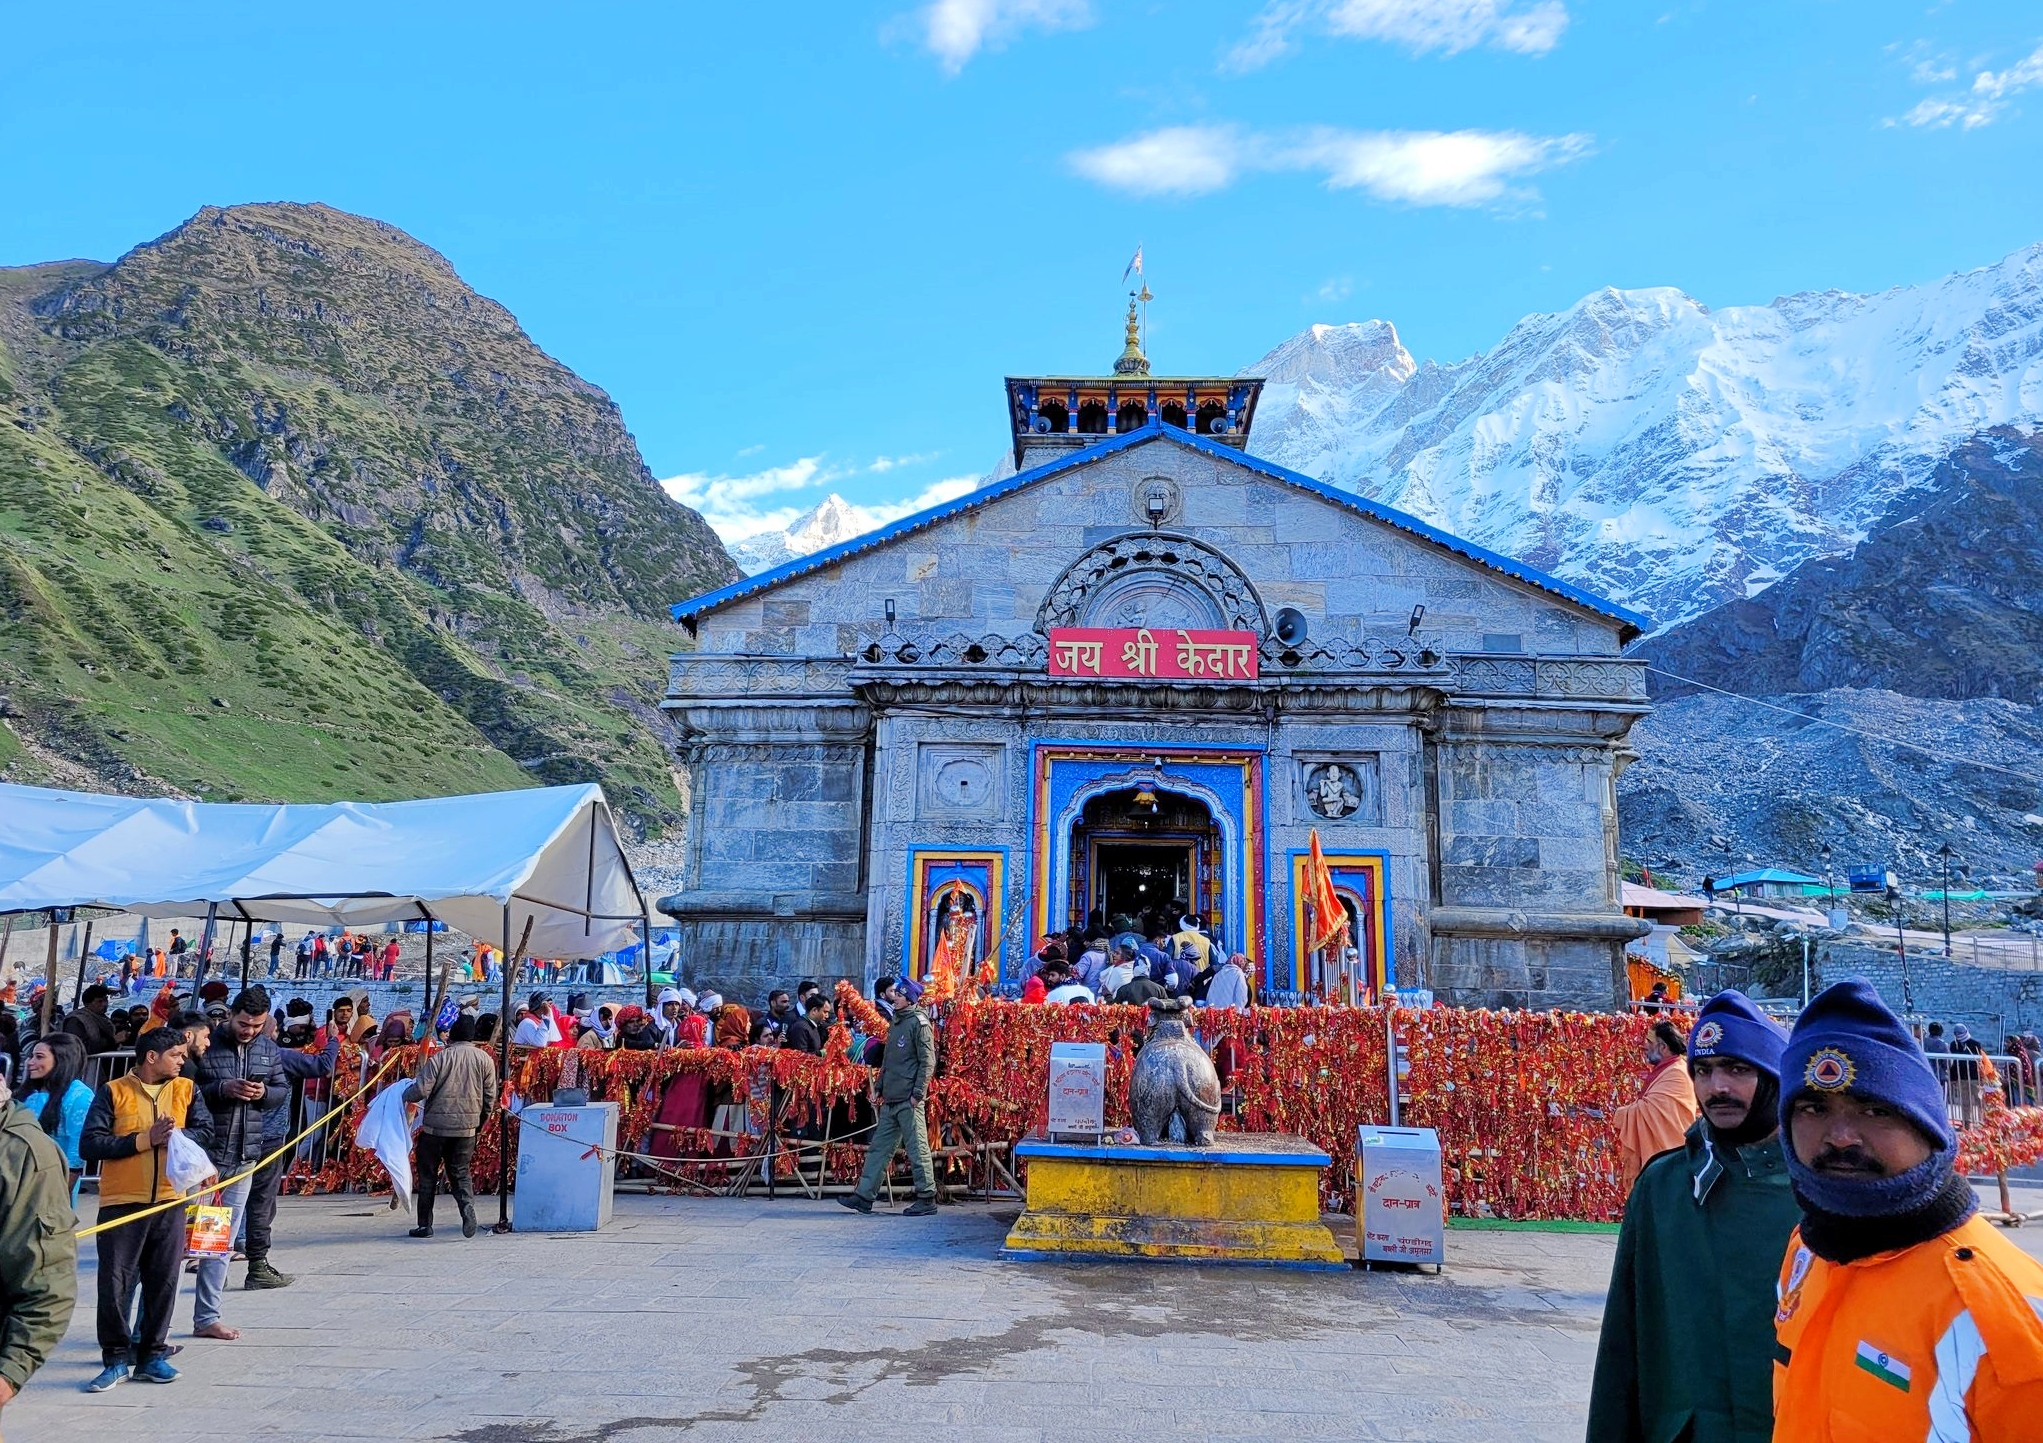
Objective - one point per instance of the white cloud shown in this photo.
(1450, 26)
(956, 30)
(1982, 103)
(732, 505)
(1417, 167)
(934, 494)
(1177, 160)
(729, 503)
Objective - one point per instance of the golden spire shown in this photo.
(1132, 361)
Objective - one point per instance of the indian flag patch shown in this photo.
(1880, 1365)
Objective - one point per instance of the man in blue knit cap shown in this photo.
(1903, 1314)
(1687, 1345)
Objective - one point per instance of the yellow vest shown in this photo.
(141, 1178)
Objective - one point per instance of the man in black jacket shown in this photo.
(241, 1078)
(262, 1188)
(805, 1033)
(89, 1023)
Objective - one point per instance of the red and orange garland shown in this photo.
(1522, 1101)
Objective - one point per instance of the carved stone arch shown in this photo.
(1154, 569)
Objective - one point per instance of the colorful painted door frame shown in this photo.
(1065, 775)
(1362, 878)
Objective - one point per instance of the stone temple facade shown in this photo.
(1133, 680)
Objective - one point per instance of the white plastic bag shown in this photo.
(186, 1162)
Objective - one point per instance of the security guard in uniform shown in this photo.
(1687, 1345)
(1902, 1313)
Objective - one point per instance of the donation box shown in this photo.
(1400, 1212)
(567, 1161)
(1078, 1088)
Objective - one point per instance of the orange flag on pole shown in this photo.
(1329, 925)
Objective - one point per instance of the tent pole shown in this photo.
(646, 935)
(6, 937)
(84, 951)
(504, 1078)
(247, 941)
(205, 951)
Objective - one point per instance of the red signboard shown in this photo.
(1165, 654)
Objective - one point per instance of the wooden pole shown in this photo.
(6, 937)
(504, 1068)
(50, 977)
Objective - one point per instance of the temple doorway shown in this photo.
(1142, 858)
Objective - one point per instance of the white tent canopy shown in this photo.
(550, 854)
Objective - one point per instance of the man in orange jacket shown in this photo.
(1903, 1314)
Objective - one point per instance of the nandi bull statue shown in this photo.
(1173, 1081)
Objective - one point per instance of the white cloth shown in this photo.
(1070, 992)
(536, 1032)
(386, 1131)
(1114, 978)
(1229, 990)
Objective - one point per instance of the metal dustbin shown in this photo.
(567, 1165)
(1400, 1215)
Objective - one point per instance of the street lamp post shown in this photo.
(1945, 855)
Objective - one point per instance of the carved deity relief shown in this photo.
(1332, 791)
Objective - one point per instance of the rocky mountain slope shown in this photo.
(1943, 599)
(1670, 456)
(287, 510)
(1926, 641)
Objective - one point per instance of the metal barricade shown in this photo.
(103, 1067)
(100, 1069)
(1962, 1080)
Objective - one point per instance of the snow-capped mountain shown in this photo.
(1664, 454)
(832, 520)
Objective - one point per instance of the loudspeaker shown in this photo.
(1290, 626)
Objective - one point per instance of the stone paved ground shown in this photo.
(703, 1317)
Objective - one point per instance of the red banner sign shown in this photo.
(1164, 654)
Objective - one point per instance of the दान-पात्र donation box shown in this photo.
(1400, 1213)
(567, 1163)
(1078, 1089)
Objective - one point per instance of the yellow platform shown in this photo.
(1252, 1199)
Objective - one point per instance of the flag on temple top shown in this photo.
(1134, 266)
(1328, 918)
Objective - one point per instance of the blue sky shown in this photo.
(801, 244)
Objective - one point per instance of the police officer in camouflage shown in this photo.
(907, 1066)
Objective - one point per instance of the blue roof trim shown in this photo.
(830, 555)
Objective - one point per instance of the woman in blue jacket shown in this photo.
(54, 1069)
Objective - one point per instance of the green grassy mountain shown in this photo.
(287, 511)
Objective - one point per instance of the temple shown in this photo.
(1130, 682)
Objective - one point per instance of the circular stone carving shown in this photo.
(1157, 500)
(1153, 571)
(963, 783)
(1155, 599)
(1331, 791)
